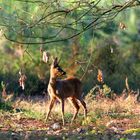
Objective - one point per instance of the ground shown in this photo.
(24, 119)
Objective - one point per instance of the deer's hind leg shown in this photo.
(84, 106)
(74, 103)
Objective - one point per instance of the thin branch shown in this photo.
(32, 1)
(50, 14)
(98, 19)
(86, 67)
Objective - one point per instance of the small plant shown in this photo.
(101, 91)
(135, 130)
(87, 120)
(107, 92)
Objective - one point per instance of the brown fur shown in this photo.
(70, 88)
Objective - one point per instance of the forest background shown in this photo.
(111, 44)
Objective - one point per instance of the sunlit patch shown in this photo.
(45, 56)
(22, 80)
(122, 26)
(100, 76)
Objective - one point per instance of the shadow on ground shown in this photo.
(42, 135)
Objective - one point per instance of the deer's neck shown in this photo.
(52, 81)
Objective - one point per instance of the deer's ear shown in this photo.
(58, 61)
(55, 61)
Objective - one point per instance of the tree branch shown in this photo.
(66, 21)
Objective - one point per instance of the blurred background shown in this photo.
(111, 45)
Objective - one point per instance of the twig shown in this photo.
(126, 84)
(86, 67)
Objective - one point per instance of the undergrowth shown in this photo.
(103, 113)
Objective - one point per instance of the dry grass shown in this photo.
(119, 105)
(40, 105)
(119, 115)
(102, 113)
(35, 104)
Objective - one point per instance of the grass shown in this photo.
(6, 106)
(33, 114)
(103, 115)
(132, 131)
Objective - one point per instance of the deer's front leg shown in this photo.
(50, 107)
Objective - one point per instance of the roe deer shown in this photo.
(70, 88)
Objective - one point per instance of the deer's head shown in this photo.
(56, 70)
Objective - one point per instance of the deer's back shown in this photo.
(70, 87)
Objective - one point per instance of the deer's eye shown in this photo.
(58, 68)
